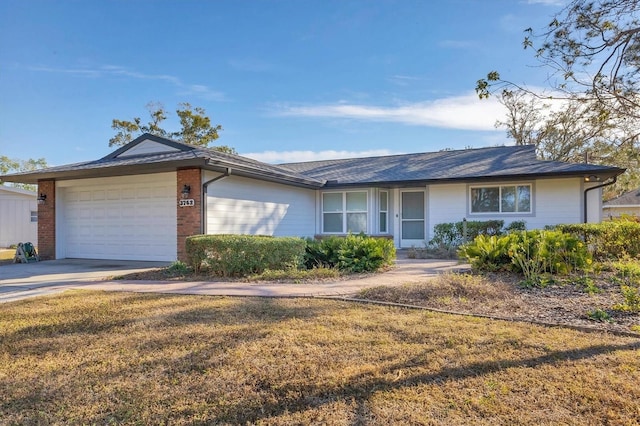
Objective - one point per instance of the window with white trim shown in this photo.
(34, 215)
(344, 212)
(384, 210)
(501, 199)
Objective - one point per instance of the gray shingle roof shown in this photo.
(186, 156)
(395, 170)
(631, 198)
(469, 164)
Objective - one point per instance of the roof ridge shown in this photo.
(413, 154)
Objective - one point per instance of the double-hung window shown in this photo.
(384, 210)
(501, 199)
(344, 212)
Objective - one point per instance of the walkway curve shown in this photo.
(405, 271)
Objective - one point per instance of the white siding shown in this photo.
(447, 203)
(238, 205)
(594, 205)
(15, 218)
(124, 218)
(557, 201)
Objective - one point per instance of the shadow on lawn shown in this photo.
(150, 310)
(361, 389)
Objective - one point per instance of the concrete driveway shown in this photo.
(20, 280)
(35, 279)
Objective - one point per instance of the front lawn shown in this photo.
(115, 358)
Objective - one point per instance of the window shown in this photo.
(344, 212)
(501, 199)
(34, 215)
(384, 209)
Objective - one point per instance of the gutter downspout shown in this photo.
(615, 179)
(203, 217)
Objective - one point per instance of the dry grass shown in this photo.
(7, 254)
(111, 358)
(499, 295)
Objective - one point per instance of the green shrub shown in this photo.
(599, 315)
(530, 253)
(322, 252)
(354, 253)
(516, 225)
(607, 240)
(627, 269)
(446, 235)
(452, 235)
(631, 295)
(178, 268)
(359, 253)
(487, 253)
(242, 255)
(480, 227)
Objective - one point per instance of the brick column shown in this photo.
(189, 217)
(47, 220)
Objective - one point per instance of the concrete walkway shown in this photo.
(97, 275)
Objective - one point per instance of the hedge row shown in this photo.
(451, 235)
(607, 240)
(241, 255)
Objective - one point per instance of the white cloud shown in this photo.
(465, 112)
(197, 90)
(275, 157)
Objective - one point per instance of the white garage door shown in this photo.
(117, 220)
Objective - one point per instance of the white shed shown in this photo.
(18, 216)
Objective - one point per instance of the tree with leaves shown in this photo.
(11, 165)
(591, 50)
(569, 132)
(196, 128)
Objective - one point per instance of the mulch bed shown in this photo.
(559, 303)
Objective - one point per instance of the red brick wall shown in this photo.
(47, 220)
(189, 218)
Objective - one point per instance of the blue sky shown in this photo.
(288, 80)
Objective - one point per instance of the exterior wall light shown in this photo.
(186, 190)
(42, 198)
(591, 178)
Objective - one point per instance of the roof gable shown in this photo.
(148, 144)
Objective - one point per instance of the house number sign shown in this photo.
(187, 203)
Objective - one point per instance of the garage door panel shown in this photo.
(135, 221)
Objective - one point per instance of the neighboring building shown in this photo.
(626, 204)
(142, 201)
(18, 216)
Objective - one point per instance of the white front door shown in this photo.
(412, 219)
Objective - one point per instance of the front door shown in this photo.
(412, 219)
